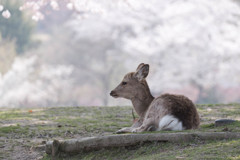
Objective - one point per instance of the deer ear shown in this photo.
(142, 71)
(139, 66)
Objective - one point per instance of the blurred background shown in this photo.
(74, 52)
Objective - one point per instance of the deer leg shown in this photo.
(125, 130)
(138, 123)
(146, 126)
(141, 128)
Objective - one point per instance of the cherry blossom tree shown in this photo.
(187, 43)
(192, 43)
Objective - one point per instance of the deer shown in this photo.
(166, 112)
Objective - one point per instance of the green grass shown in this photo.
(84, 121)
(43, 124)
(195, 150)
(208, 150)
(13, 129)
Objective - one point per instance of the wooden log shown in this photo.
(74, 146)
(223, 122)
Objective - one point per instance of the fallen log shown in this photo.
(74, 146)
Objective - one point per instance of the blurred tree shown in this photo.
(53, 18)
(210, 96)
(94, 62)
(194, 44)
(7, 55)
(17, 28)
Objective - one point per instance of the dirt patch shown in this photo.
(20, 149)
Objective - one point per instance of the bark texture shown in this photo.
(74, 146)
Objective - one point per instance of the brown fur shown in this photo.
(179, 106)
(135, 88)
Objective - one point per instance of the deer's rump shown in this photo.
(173, 112)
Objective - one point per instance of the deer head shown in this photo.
(133, 84)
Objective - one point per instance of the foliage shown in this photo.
(210, 95)
(7, 55)
(193, 46)
(17, 28)
(86, 72)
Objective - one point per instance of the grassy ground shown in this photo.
(23, 133)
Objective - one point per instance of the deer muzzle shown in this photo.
(113, 94)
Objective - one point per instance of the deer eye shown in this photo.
(124, 83)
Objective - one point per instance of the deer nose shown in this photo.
(113, 93)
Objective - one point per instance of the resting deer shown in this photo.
(166, 112)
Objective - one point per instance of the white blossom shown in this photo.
(54, 5)
(70, 6)
(38, 16)
(6, 14)
(1, 7)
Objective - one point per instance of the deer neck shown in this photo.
(142, 101)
